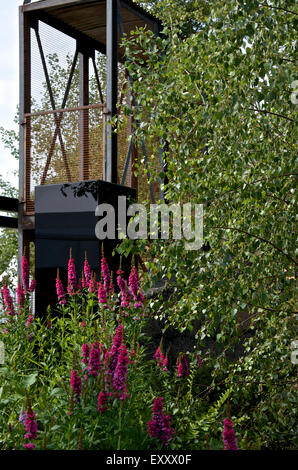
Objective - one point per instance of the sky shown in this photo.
(9, 79)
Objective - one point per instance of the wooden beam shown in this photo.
(53, 4)
(69, 31)
(8, 222)
(9, 204)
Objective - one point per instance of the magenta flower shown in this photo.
(76, 384)
(92, 285)
(102, 294)
(161, 359)
(8, 302)
(102, 401)
(183, 369)
(159, 427)
(72, 277)
(125, 294)
(134, 284)
(29, 321)
(229, 437)
(20, 296)
(60, 291)
(106, 274)
(30, 425)
(87, 271)
(29, 446)
(119, 378)
(114, 353)
(85, 353)
(94, 363)
(25, 273)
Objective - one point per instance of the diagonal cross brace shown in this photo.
(60, 117)
(44, 64)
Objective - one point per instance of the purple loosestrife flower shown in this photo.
(125, 298)
(229, 435)
(161, 359)
(119, 378)
(29, 446)
(114, 353)
(92, 285)
(185, 366)
(25, 273)
(60, 291)
(94, 364)
(106, 275)
(102, 294)
(76, 384)
(29, 321)
(164, 364)
(30, 425)
(159, 427)
(120, 281)
(85, 353)
(182, 369)
(87, 271)
(134, 284)
(20, 296)
(8, 302)
(125, 295)
(72, 277)
(156, 355)
(102, 401)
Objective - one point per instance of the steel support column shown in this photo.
(84, 117)
(112, 91)
(24, 133)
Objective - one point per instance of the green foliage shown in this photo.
(220, 98)
(39, 357)
(8, 239)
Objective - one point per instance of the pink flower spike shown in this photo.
(119, 378)
(112, 356)
(29, 321)
(106, 274)
(20, 296)
(60, 291)
(30, 425)
(159, 427)
(102, 401)
(25, 273)
(76, 384)
(94, 363)
(85, 353)
(102, 294)
(229, 437)
(87, 271)
(72, 277)
(8, 302)
(29, 446)
(134, 284)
